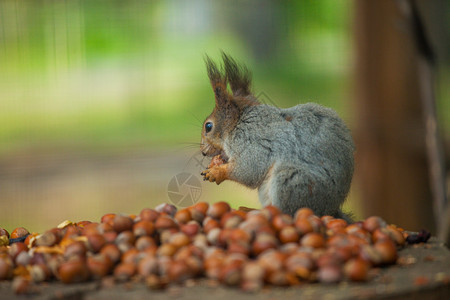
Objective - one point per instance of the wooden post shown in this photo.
(392, 174)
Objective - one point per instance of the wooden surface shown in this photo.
(422, 272)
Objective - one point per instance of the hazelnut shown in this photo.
(108, 218)
(142, 228)
(239, 235)
(73, 271)
(16, 248)
(387, 251)
(148, 214)
(122, 223)
(270, 211)
(95, 242)
(110, 236)
(356, 269)
(218, 209)
(239, 247)
(313, 239)
(112, 251)
(23, 258)
(130, 256)
(201, 207)
(166, 208)
(288, 234)
(4, 232)
(231, 274)
(166, 250)
(124, 271)
(145, 242)
(178, 271)
(263, 242)
(253, 271)
(303, 213)
(336, 223)
(280, 221)
(230, 220)
(19, 232)
(40, 272)
(165, 222)
(210, 223)
(147, 266)
(372, 223)
(125, 237)
(330, 274)
(191, 229)
(303, 226)
(179, 240)
(21, 285)
(99, 265)
(6, 268)
(183, 216)
(396, 235)
(272, 260)
(155, 282)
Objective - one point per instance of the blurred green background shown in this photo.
(101, 102)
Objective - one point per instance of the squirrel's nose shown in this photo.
(203, 153)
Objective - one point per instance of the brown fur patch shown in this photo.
(288, 118)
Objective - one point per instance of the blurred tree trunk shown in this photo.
(394, 82)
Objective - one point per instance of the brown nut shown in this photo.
(330, 274)
(167, 209)
(178, 271)
(374, 222)
(179, 239)
(19, 232)
(164, 222)
(130, 256)
(112, 251)
(356, 269)
(124, 271)
(218, 209)
(303, 213)
(122, 223)
(231, 274)
(303, 226)
(147, 266)
(191, 229)
(231, 220)
(16, 248)
(387, 250)
(6, 268)
(313, 239)
(108, 218)
(280, 221)
(148, 214)
(288, 234)
(95, 242)
(183, 216)
(99, 265)
(143, 228)
(4, 232)
(263, 242)
(73, 271)
(40, 272)
(145, 242)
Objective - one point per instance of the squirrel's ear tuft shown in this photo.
(218, 81)
(239, 77)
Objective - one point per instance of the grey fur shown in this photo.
(297, 157)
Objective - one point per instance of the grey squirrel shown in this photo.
(297, 157)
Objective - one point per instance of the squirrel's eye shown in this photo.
(208, 126)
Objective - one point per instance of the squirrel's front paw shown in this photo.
(215, 174)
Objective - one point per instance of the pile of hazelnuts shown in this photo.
(249, 249)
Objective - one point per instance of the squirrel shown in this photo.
(296, 157)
